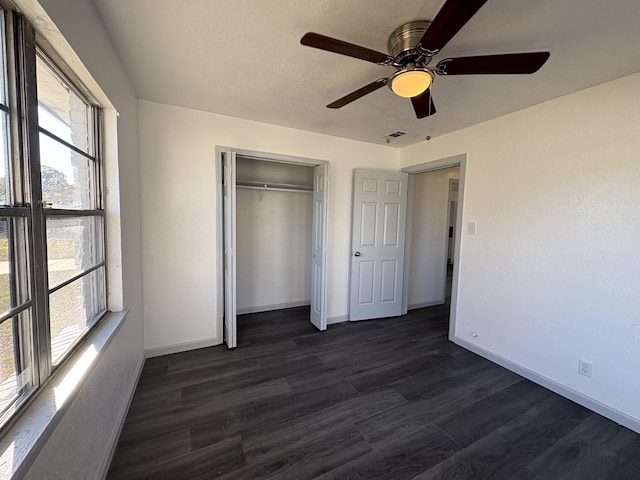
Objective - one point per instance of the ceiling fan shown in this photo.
(412, 47)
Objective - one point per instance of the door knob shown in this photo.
(357, 254)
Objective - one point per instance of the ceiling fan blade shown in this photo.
(343, 48)
(361, 92)
(493, 64)
(449, 20)
(423, 104)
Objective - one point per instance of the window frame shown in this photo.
(22, 46)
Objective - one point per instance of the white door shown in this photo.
(229, 192)
(319, 248)
(377, 244)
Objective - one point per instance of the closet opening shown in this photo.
(274, 237)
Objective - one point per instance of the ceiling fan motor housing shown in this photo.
(403, 40)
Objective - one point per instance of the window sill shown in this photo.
(22, 440)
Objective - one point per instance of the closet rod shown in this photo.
(272, 189)
(278, 187)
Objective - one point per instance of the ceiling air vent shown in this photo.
(396, 134)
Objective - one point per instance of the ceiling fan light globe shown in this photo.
(411, 83)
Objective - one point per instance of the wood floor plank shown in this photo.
(447, 396)
(627, 463)
(446, 372)
(308, 461)
(259, 442)
(212, 462)
(355, 354)
(466, 425)
(403, 458)
(267, 413)
(194, 376)
(589, 452)
(382, 377)
(328, 374)
(138, 456)
(511, 447)
(219, 355)
(187, 412)
(209, 389)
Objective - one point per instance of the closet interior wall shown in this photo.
(274, 226)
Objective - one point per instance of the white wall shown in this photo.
(178, 184)
(81, 441)
(429, 237)
(273, 247)
(552, 274)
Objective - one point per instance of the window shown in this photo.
(52, 248)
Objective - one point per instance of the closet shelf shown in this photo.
(279, 187)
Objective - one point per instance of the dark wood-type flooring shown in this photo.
(382, 399)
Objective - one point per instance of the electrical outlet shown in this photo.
(585, 368)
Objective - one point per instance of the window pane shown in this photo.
(67, 176)
(73, 309)
(3, 62)
(16, 374)
(14, 286)
(61, 110)
(74, 245)
(5, 169)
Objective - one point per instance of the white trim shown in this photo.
(587, 402)
(273, 306)
(218, 321)
(182, 347)
(23, 440)
(337, 319)
(271, 157)
(414, 306)
(440, 164)
(407, 245)
(122, 416)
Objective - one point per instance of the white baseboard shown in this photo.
(122, 416)
(413, 306)
(337, 319)
(274, 306)
(588, 402)
(181, 347)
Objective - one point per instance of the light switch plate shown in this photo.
(472, 228)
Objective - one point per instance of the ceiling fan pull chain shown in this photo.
(388, 116)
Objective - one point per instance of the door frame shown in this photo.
(454, 161)
(451, 199)
(258, 155)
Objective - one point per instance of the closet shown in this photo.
(274, 213)
(272, 219)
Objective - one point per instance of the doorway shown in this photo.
(273, 236)
(434, 219)
(429, 238)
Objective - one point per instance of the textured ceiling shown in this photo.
(243, 58)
